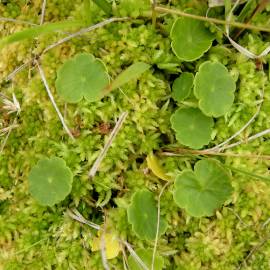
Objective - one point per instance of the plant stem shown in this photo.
(104, 5)
(161, 9)
(154, 13)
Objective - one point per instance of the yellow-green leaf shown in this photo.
(112, 245)
(155, 167)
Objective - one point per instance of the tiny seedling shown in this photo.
(190, 39)
(214, 87)
(50, 181)
(146, 256)
(111, 243)
(181, 88)
(142, 215)
(192, 127)
(203, 190)
(82, 76)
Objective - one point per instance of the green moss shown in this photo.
(35, 237)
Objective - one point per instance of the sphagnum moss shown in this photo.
(36, 237)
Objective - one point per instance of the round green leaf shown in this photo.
(204, 190)
(192, 127)
(82, 76)
(214, 87)
(142, 215)
(182, 86)
(146, 256)
(190, 39)
(50, 181)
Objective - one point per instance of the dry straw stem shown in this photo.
(161, 9)
(75, 214)
(125, 260)
(43, 78)
(249, 139)
(43, 9)
(158, 224)
(7, 131)
(106, 147)
(134, 255)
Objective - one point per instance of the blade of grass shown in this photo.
(37, 31)
(104, 5)
(253, 175)
(131, 73)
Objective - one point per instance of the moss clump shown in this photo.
(37, 237)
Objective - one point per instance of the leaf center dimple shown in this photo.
(50, 180)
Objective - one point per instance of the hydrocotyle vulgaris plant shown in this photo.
(190, 39)
(82, 76)
(182, 86)
(192, 127)
(214, 87)
(142, 215)
(203, 190)
(50, 181)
